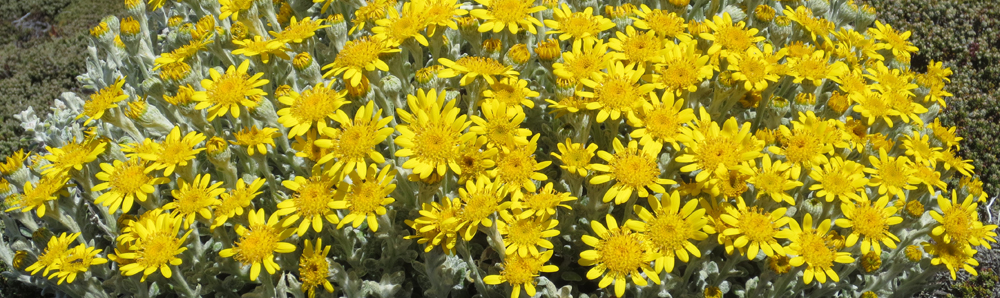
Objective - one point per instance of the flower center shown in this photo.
(509, 11)
(129, 178)
(634, 170)
(815, 250)
(621, 252)
(756, 225)
(669, 232)
(869, 221)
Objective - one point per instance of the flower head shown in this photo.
(313, 268)
(870, 220)
(355, 140)
(236, 200)
(580, 25)
(72, 156)
(36, 196)
(255, 138)
(507, 13)
(55, 249)
(173, 151)
(670, 228)
(310, 108)
(473, 67)
(259, 242)
(480, 199)
(314, 200)
(156, 248)
(618, 253)
(632, 169)
(125, 182)
(195, 198)
(523, 235)
(618, 93)
(520, 271)
(357, 57)
(102, 101)
(757, 228)
(543, 203)
(433, 134)
(812, 247)
(367, 196)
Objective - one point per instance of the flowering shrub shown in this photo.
(438, 148)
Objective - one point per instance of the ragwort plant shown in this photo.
(502, 147)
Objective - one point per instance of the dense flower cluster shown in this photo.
(681, 147)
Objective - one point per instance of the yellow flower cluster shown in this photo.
(772, 141)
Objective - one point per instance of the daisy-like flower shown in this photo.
(632, 169)
(156, 248)
(663, 123)
(870, 220)
(234, 8)
(804, 145)
(815, 67)
(520, 272)
(951, 160)
(683, 68)
(511, 93)
(843, 179)
(299, 30)
(474, 160)
(637, 47)
(580, 25)
(13, 162)
(892, 40)
(543, 203)
(873, 105)
(102, 101)
(235, 201)
(397, 28)
(953, 255)
(310, 108)
(438, 225)
(259, 242)
(357, 57)
(433, 135)
(264, 48)
(773, 179)
(756, 229)
(174, 151)
(36, 195)
(71, 156)
(618, 253)
(524, 234)
(314, 268)
(575, 157)
(55, 249)
(501, 126)
(891, 174)
(670, 228)
(75, 261)
(367, 196)
(499, 14)
(617, 93)
(813, 247)
(255, 138)
(125, 182)
(439, 13)
(314, 201)
(959, 221)
(919, 147)
(480, 199)
(195, 198)
(718, 150)
(517, 167)
(729, 38)
(584, 61)
(666, 25)
(473, 67)
(355, 140)
(753, 68)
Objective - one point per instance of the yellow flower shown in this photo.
(891, 39)
(873, 105)
(297, 31)
(357, 57)
(632, 169)
(669, 228)
(840, 178)
(718, 150)
(584, 61)
(367, 196)
(157, 246)
(619, 92)
(543, 203)
(524, 234)
(13, 162)
(438, 224)
(314, 268)
(315, 199)
(953, 255)
(617, 254)
(35, 196)
(236, 200)
(919, 147)
(439, 13)
(372, 10)
(773, 179)
(815, 67)
(259, 242)
(951, 160)
(174, 151)
(395, 29)
(480, 199)
(102, 101)
(76, 260)
(637, 47)
(71, 156)
(355, 140)
(752, 68)
(255, 138)
(520, 271)
(127, 181)
(264, 48)
(663, 122)
(195, 198)
(309, 108)
(500, 125)
(683, 68)
(507, 13)
(511, 93)
(813, 248)
(433, 134)
(233, 8)
(55, 249)
(959, 221)
(729, 38)
(757, 228)
(891, 174)
(473, 67)
(666, 25)
(580, 25)
(870, 220)
(474, 160)
(575, 157)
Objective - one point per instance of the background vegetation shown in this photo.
(43, 43)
